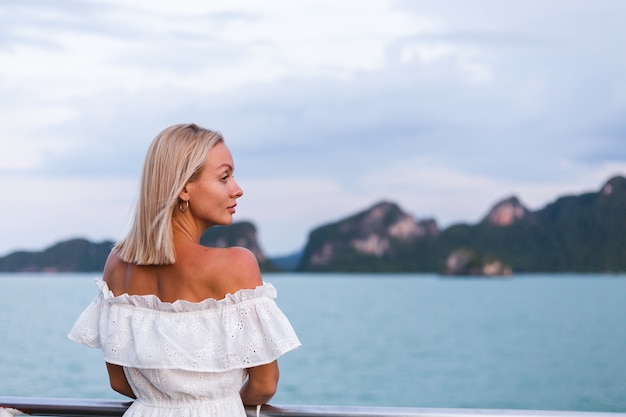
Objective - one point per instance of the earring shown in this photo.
(183, 208)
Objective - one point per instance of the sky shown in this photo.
(329, 107)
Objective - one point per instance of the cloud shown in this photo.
(443, 107)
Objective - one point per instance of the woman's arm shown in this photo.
(118, 380)
(262, 380)
(261, 384)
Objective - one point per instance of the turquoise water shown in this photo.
(551, 342)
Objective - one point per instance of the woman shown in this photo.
(186, 329)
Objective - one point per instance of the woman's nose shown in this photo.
(238, 192)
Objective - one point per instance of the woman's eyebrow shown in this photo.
(225, 165)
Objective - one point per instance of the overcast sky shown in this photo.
(443, 107)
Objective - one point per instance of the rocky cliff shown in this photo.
(580, 233)
(506, 212)
(372, 240)
(242, 234)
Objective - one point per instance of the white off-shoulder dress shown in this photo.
(184, 358)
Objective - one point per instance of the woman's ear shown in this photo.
(184, 194)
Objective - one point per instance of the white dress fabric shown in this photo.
(184, 358)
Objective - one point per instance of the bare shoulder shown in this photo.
(240, 266)
(114, 272)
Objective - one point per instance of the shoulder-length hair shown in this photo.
(175, 157)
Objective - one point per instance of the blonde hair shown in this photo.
(175, 157)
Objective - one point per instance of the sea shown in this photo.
(531, 342)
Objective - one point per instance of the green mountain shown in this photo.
(577, 233)
(238, 234)
(379, 239)
(75, 255)
(582, 233)
(81, 255)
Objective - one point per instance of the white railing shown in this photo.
(67, 407)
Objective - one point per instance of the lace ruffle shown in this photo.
(242, 330)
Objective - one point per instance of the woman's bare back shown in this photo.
(199, 273)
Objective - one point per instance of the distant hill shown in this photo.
(80, 255)
(75, 255)
(374, 240)
(238, 234)
(576, 233)
(582, 233)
